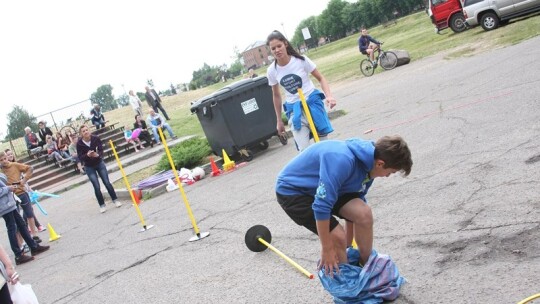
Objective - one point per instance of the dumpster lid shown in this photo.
(229, 90)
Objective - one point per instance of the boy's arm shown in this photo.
(373, 40)
(27, 170)
(99, 148)
(329, 259)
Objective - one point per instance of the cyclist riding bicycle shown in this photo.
(368, 45)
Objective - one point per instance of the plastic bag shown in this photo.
(23, 294)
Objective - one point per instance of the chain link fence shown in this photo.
(64, 120)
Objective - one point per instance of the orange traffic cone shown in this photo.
(137, 195)
(215, 170)
(52, 234)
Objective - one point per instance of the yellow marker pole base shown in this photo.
(198, 234)
(286, 258)
(308, 116)
(128, 187)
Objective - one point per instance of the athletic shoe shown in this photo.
(23, 259)
(117, 204)
(25, 248)
(39, 249)
(41, 228)
(102, 209)
(36, 239)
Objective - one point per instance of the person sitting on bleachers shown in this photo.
(73, 153)
(32, 142)
(43, 132)
(53, 151)
(61, 142)
(156, 121)
(133, 138)
(98, 119)
(145, 135)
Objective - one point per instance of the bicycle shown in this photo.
(386, 59)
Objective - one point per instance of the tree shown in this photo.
(123, 100)
(18, 119)
(104, 97)
(173, 89)
(352, 16)
(311, 24)
(331, 21)
(236, 68)
(150, 83)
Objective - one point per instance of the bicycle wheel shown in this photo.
(366, 67)
(388, 60)
(68, 129)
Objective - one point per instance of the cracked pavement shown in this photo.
(464, 227)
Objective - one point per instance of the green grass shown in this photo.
(339, 60)
(135, 177)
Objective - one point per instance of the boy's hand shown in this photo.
(329, 261)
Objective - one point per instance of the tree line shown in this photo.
(339, 19)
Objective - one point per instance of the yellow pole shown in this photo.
(308, 116)
(286, 258)
(192, 218)
(527, 300)
(127, 184)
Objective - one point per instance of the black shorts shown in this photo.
(364, 52)
(299, 209)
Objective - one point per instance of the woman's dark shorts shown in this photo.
(299, 209)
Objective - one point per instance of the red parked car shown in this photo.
(447, 13)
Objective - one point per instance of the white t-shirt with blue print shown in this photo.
(292, 76)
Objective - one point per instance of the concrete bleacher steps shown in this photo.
(48, 173)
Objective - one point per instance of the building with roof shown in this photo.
(257, 55)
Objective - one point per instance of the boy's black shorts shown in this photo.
(299, 209)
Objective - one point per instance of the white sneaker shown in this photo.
(117, 204)
(102, 209)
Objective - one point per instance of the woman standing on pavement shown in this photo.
(292, 70)
(90, 153)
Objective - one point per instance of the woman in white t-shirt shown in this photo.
(291, 71)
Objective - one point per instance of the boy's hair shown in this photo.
(2, 154)
(395, 153)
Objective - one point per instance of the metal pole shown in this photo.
(54, 122)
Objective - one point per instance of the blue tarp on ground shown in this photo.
(377, 281)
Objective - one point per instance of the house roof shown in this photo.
(256, 44)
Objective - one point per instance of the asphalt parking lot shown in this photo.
(464, 227)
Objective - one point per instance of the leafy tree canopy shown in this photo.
(104, 97)
(18, 119)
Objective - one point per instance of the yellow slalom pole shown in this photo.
(286, 258)
(127, 184)
(527, 300)
(191, 217)
(308, 115)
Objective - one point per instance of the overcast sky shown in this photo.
(56, 53)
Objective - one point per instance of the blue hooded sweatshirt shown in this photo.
(328, 170)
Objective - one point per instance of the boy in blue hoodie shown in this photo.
(331, 179)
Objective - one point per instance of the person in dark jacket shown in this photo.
(43, 132)
(145, 135)
(154, 101)
(368, 45)
(90, 153)
(97, 119)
